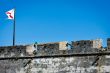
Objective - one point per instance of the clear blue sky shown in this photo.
(55, 20)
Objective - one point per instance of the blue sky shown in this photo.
(55, 20)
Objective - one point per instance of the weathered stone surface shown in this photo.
(93, 64)
(53, 46)
(87, 43)
(108, 43)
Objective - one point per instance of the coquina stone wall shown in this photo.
(87, 64)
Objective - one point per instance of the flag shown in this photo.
(10, 14)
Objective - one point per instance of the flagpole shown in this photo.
(14, 30)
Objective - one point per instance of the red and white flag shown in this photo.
(10, 14)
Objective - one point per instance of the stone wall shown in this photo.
(14, 65)
(88, 64)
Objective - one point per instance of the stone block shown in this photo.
(30, 49)
(52, 46)
(97, 43)
(108, 43)
(87, 43)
